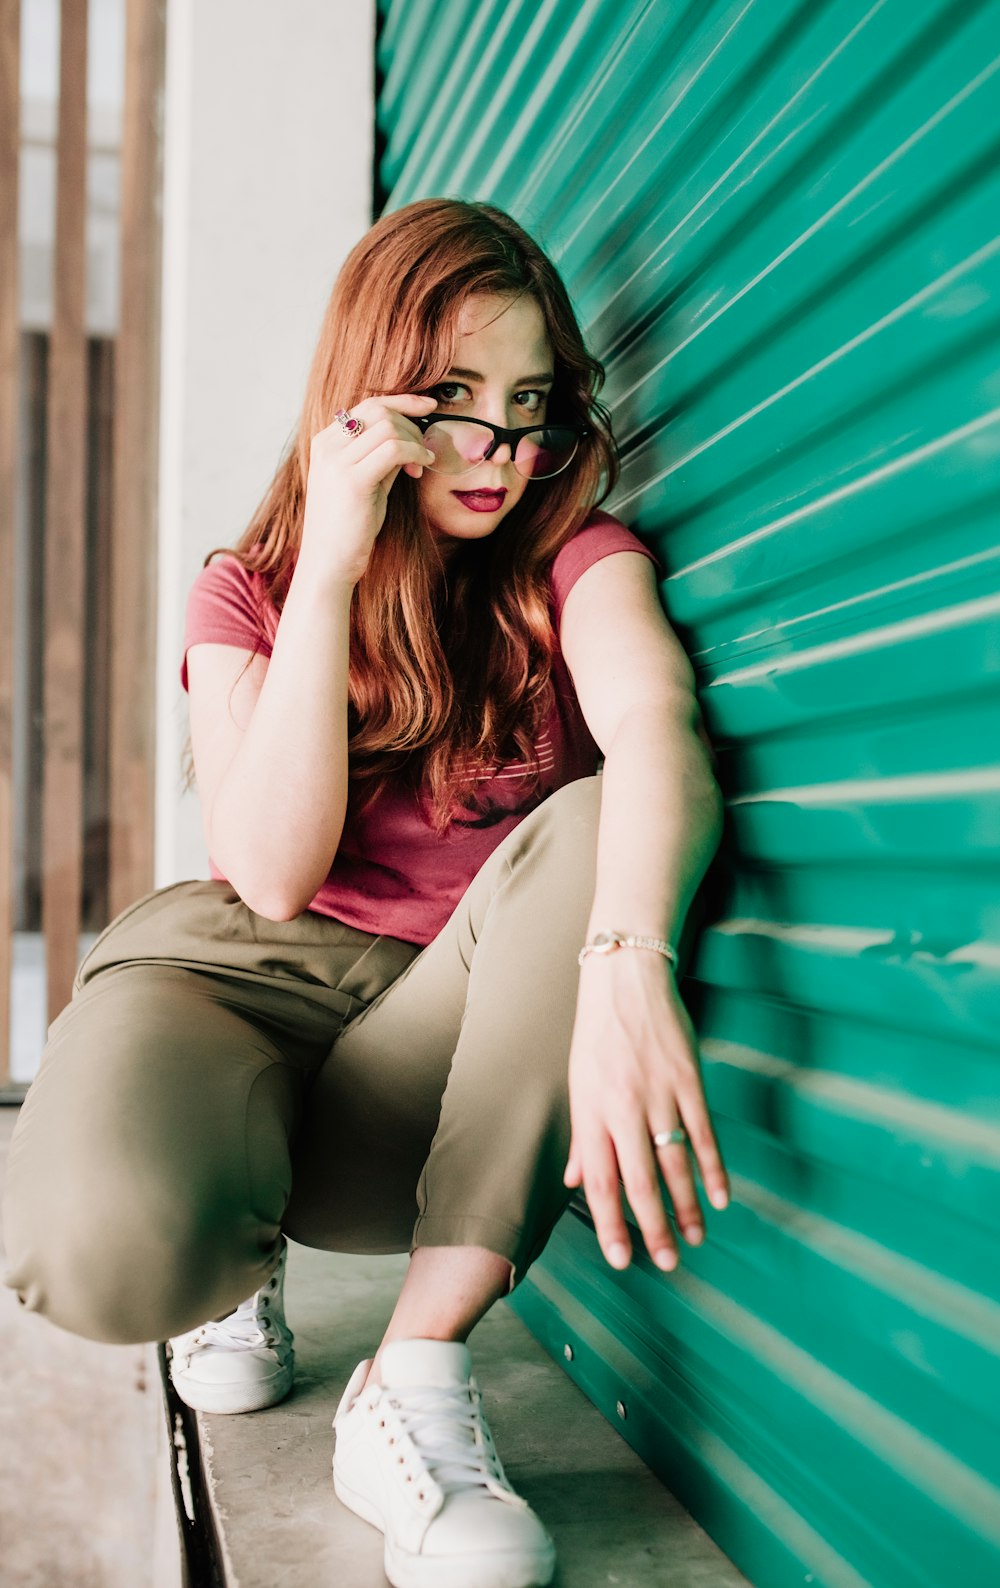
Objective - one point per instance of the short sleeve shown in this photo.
(224, 608)
(601, 535)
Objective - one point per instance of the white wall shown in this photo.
(268, 133)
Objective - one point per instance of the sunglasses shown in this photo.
(461, 445)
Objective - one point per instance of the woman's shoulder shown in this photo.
(598, 536)
(227, 583)
(228, 605)
(226, 572)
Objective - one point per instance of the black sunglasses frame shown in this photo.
(500, 435)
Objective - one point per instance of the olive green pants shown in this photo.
(218, 1078)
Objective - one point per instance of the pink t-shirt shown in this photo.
(392, 874)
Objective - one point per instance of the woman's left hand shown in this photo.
(634, 1070)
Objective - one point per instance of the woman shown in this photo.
(408, 1010)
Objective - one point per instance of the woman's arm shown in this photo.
(274, 783)
(634, 1065)
(272, 762)
(661, 819)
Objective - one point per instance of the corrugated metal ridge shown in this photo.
(910, 1455)
(890, 108)
(772, 1120)
(778, 226)
(891, 981)
(930, 589)
(801, 383)
(712, 316)
(817, 505)
(756, 1378)
(949, 653)
(962, 616)
(922, 1123)
(674, 1434)
(878, 791)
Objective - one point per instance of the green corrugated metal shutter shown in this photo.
(778, 223)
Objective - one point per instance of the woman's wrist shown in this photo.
(608, 942)
(322, 582)
(624, 965)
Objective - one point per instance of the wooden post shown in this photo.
(134, 538)
(10, 116)
(65, 527)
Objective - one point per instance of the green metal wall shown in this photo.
(778, 223)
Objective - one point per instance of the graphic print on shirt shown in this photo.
(512, 771)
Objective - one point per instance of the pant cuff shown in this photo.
(468, 1229)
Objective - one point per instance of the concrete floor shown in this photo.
(84, 1486)
(85, 1499)
(268, 1475)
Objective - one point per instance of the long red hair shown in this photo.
(445, 675)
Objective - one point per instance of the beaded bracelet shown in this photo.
(606, 942)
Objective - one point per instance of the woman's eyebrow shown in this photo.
(471, 374)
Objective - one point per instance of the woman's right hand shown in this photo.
(350, 478)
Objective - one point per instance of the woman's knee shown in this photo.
(149, 1169)
(139, 1263)
(575, 808)
(553, 854)
(560, 834)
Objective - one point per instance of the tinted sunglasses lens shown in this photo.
(544, 452)
(457, 447)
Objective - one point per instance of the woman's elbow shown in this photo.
(269, 902)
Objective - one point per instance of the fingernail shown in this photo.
(618, 1255)
(719, 1199)
(693, 1234)
(666, 1258)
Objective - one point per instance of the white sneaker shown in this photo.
(415, 1457)
(242, 1363)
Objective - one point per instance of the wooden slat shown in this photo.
(31, 490)
(65, 527)
(97, 709)
(135, 460)
(10, 109)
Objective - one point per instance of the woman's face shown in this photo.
(503, 371)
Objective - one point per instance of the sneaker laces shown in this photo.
(241, 1330)
(442, 1423)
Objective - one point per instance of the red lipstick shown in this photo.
(481, 501)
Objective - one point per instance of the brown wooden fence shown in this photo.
(78, 428)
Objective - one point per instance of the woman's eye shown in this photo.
(447, 392)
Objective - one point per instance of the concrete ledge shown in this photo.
(85, 1496)
(267, 1482)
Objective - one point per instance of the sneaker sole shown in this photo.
(514, 1569)
(231, 1399)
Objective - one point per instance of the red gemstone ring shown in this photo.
(348, 424)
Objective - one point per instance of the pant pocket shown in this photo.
(377, 968)
(112, 926)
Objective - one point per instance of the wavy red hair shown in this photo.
(435, 690)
